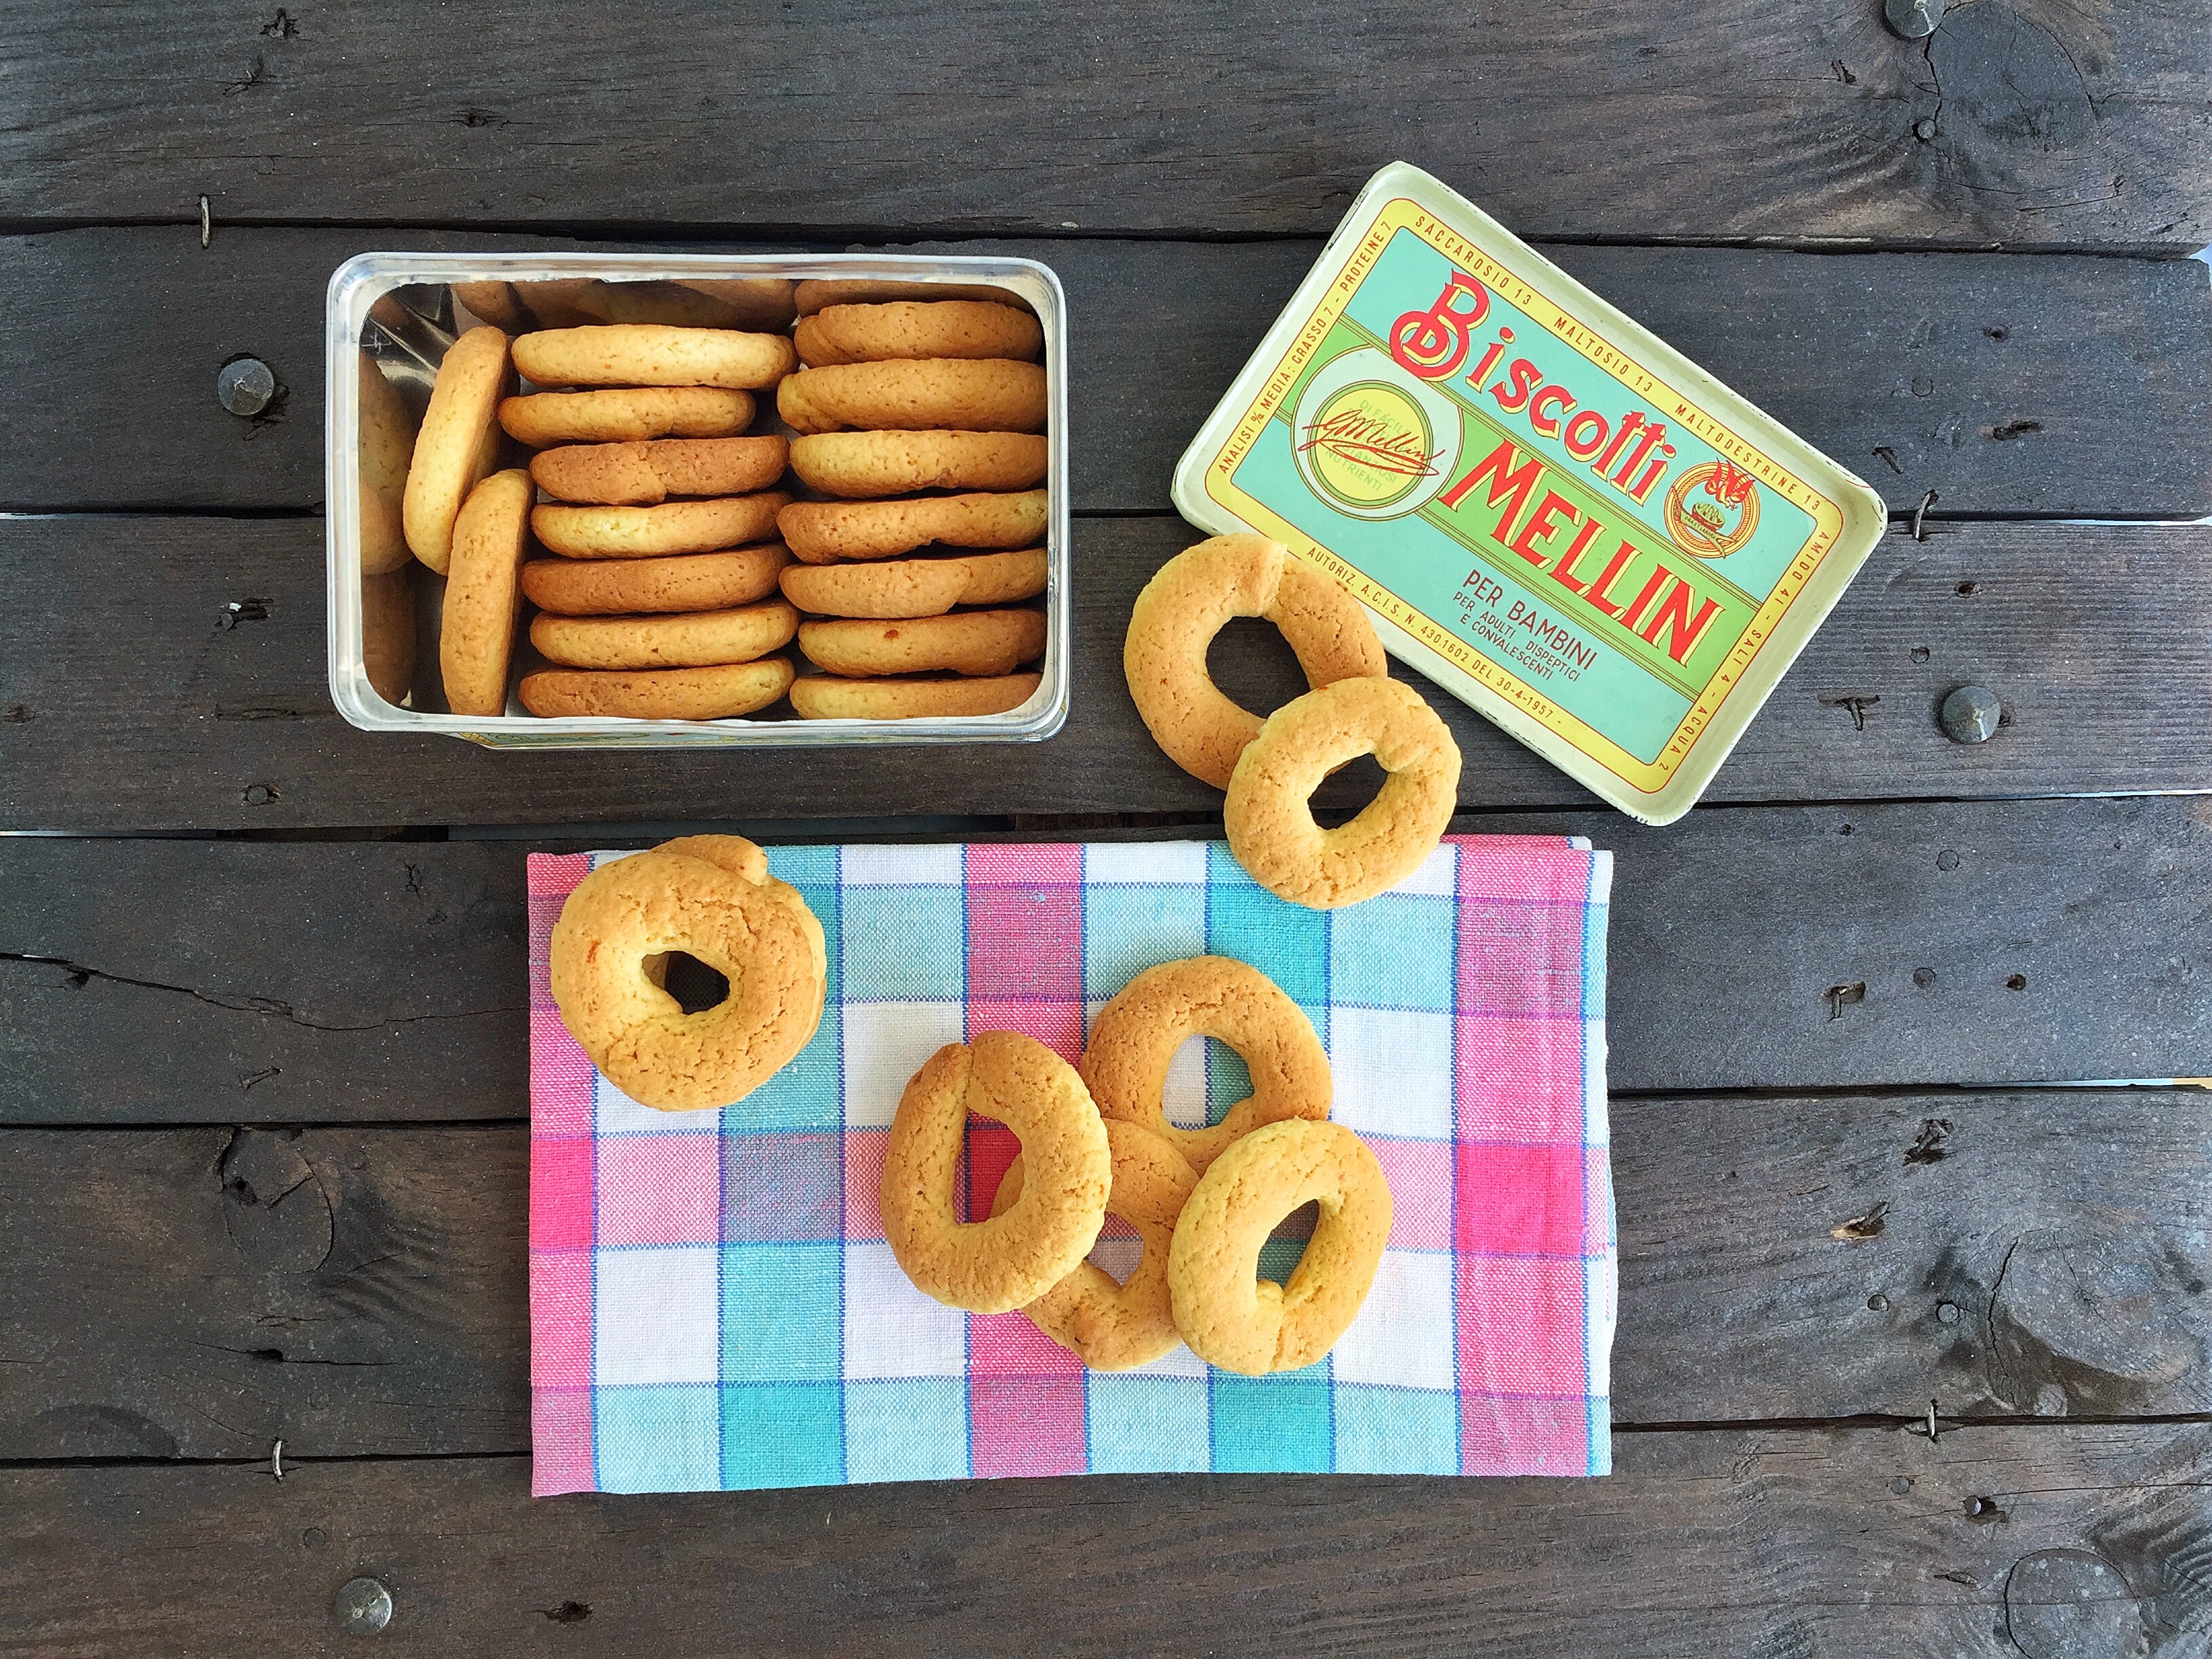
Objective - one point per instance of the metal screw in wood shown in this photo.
(244, 385)
(1912, 19)
(1971, 715)
(364, 1606)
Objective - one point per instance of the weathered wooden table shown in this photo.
(1913, 1347)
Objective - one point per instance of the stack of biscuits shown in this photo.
(919, 413)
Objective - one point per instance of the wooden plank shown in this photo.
(194, 981)
(132, 696)
(2025, 123)
(1772, 1541)
(203, 1293)
(2074, 387)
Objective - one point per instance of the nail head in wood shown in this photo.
(1970, 714)
(364, 1606)
(244, 387)
(1912, 19)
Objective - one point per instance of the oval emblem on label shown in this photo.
(1712, 510)
(1370, 440)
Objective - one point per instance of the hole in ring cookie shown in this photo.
(695, 986)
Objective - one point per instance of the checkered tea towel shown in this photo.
(712, 1303)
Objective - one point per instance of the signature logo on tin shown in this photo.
(1712, 510)
(1370, 440)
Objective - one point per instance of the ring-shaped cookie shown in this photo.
(982, 644)
(962, 394)
(812, 295)
(1190, 599)
(653, 354)
(1135, 1035)
(916, 587)
(717, 903)
(827, 698)
(697, 639)
(869, 465)
(682, 581)
(1230, 1316)
(1110, 1327)
(1009, 1259)
(458, 443)
(645, 474)
(909, 328)
(483, 601)
(1270, 823)
(830, 532)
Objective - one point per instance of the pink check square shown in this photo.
(659, 1189)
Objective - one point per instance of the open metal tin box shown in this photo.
(414, 321)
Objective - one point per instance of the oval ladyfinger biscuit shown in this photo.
(647, 474)
(641, 532)
(988, 394)
(825, 697)
(388, 445)
(982, 644)
(495, 302)
(387, 634)
(914, 587)
(458, 443)
(825, 533)
(747, 302)
(666, 694)
(476, 633)
(648, 354)
(868, 465)
(699, 639)
(687, 581)
(906, 328)
(816, 293)
(625, 415)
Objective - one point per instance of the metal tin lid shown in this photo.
(1547, 509)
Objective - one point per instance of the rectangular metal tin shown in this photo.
(1376, 434)
(358, 283)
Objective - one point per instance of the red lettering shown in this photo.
(1598, 595)
(1673, 614)
(1591, 424)
(1640, 489)
(1629, 422)
(1540, 527)
(1482, 369)
(1526, 377)
(1659, 578)
(1510, 486)
(1432, 343)
(1549, 397)
(1564, 572)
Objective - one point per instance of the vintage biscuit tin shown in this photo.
(1547, 509)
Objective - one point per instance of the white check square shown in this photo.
(891, 1329)
(885, 1044)
(657, 1316)
(1403, 1334)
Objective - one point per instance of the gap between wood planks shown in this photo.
(835, 238)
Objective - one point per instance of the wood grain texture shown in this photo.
(359, 1292)
(2046, 124)
(2066, 386)
(147, 981)
(1771, 1542)
(214, 718)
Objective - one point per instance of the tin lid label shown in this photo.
(1546, 508)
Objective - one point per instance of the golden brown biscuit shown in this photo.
(647, 474)
(699, 639)
(1230, 1316)
(1135, 1034)
(965, 394)
(823, 532)
(621, 587)
(916, 587)
(1269, 820)
(1012, 1258)
(825, 697)
(908, 328)
(867, 464)
(1190, 599)
(458, 443)
(644, 533)
(816, 292)
(387, 634)
(483, 598)
(650, 354)
(977, 643)
(665, 694)
(625, 415)
(493, 302)
(1110, 1327)
(387, 444)
(749, 302)
(610, 951)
